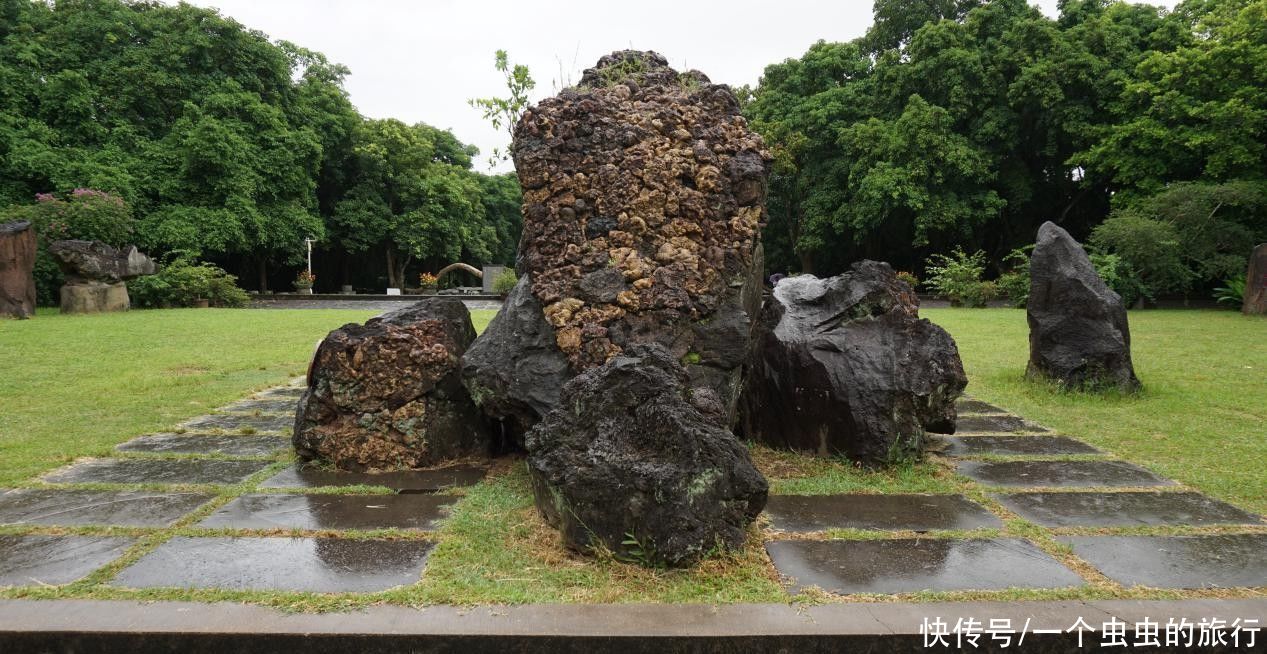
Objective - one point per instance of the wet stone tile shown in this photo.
(1124, 509)
(405, 481)
(1014, 445)
(282, 392)
(279, 406)
(331, 512)
(156, 471)
(1223, 561)
(70, 507)
(228, 444)
(888, 512)
(1060, 474)
(239, 422)
(910, 565)
(36, 560)
(323, 565)
(968, 405)
(994, 425)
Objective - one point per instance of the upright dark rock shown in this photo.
(644, 195)
(636, 460)
(1078, 334)
(388, 394)
(845, 366)
(95, 274)
(17, 266)
(1255, 302)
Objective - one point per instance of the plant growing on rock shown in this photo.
(504, 113)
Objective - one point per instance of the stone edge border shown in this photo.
(76, 625)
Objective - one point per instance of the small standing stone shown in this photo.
(1078, 333)
(1255, 303)
(17, 265)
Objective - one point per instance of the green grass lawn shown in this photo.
(76, 386)
(1201, 419)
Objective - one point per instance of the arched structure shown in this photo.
(459, 266)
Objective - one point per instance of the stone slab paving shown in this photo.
(240, 422)
(73, 507)
(295, 511)
(297, 564)
(912, 565)
(1125, 509)
(807, 513)
(1001, 424)
(156, 471)
(281, 392)
(1215, 561)
(416, 481)
(280, 406)
(969, 405)
(1015, 445)
(1060, 474)
(226, 444)
(39, 560)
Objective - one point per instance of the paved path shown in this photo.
(380, 306)
(1037, 511)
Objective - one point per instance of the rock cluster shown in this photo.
(644, 196)
(1078, 334)
(637, 461)
(95, 274)
(845, 366)
(388, 394)
(17, 265)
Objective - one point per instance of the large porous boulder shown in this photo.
(1078, 334)
(846, 366)
(388, 394)
(95, 274)
(636, 460)
(644, 196)
(17, 266)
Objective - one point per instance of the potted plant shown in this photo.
(428, 282)
(304, 282)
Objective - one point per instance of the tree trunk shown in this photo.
(17, 262)
(392, 280)
(807, 262)
(262, 270)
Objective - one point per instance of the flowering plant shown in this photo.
(305, 278)
(427, 280)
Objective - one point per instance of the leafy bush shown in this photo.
(910, 279)
(505, 281)
(181, 281)
(1232, 292)
(958, 278)
(1014, 284)
(84, 214)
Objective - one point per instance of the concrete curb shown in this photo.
(93, 625)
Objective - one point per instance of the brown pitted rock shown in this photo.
(388, 394)
(644, 196)
(846, 366)
(17, 265)
(1078, 333)
(628, 462)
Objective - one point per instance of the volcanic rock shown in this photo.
(845, 366)
(644, 196)
(628, 462)
(388, 394)
(17, 265)
(1078, 334)
(1255, 301)
(95, 275)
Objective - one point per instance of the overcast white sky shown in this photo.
(421, 60)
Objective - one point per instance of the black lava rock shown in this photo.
(846, 366)
(1078, 334)
(628, 462)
